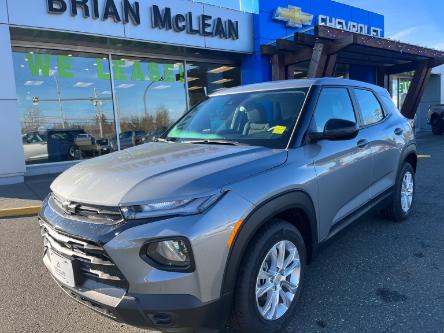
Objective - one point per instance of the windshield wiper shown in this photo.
(214, 142)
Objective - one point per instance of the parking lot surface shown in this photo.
(377, 276)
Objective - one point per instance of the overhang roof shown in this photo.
(355, 48)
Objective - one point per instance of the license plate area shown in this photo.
(62, 268)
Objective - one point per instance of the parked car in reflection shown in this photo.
(128, 139)
(87, 146)
(58, 145)
(35, 145)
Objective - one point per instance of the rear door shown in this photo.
(343, 167)
(382, 133)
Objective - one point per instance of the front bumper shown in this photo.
(167, 313)
(109, 295)
(116, 282)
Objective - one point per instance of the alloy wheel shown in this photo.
(278, 280)
(407, 191)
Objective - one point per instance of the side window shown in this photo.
(333, 103)
(370, 107)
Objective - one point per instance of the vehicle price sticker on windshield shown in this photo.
(279, 130)
(62, 269)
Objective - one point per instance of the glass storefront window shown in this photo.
(205, 78)
(404, 85)
(150, 96)
(65, 104)
(68, 111)
(400, 85)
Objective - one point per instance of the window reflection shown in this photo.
(65, 105)
(150, 96)
(204, 78)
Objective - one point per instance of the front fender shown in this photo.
(257, 219)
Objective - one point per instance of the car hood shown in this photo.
(157, 171)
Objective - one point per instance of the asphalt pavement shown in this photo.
(377, 276)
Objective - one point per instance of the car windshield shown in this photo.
(264, 118)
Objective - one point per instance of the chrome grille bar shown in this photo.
(92, 258)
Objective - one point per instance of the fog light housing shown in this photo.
(173, 254)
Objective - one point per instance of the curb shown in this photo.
(22, 211)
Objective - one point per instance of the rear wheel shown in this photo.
(437, 125)
(270, 280)
(403, 200)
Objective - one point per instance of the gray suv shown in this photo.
(216, 222)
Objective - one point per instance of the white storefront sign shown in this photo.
(178, 22)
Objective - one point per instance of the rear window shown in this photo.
(371, 109)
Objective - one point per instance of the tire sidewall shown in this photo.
(280, 231)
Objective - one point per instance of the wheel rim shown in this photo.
(278, 280)
(72, 152)
(407, 190)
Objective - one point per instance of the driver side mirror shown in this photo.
(336, 129)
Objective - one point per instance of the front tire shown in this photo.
(270, 280)
(402, 204)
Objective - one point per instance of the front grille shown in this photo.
(91, 260)
(84, 212)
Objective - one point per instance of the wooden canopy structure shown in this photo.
(329, 46)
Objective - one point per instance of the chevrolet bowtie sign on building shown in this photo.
(294, 16)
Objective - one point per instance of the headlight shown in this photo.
(171, 208)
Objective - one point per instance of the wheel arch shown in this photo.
(410, 155)
(296, 207)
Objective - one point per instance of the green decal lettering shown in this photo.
(169, 73)
(39, 64)
(65, 65)
(182, 73)
(119, 72)
(154, 71)
(100, 70)
(137, 72)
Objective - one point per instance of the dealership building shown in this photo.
(84, 78)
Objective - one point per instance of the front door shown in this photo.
(343, 167)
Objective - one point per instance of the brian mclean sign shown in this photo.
(176, 22)
(161, 18)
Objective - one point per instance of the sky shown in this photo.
(416, 22)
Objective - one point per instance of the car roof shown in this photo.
(291, 84)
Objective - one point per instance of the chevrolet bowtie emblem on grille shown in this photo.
(70, 207)
(294, 16)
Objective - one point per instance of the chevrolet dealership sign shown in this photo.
(296, 18)
(293, 16)
(178, 22)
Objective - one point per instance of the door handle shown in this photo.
(362, 143)
(399, 131)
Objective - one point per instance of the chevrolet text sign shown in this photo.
(349, 25)
(296, 18)
(178, 22)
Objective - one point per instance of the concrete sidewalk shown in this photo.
(26, 198)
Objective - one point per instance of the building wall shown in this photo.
(12, 165)
(257, 68)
